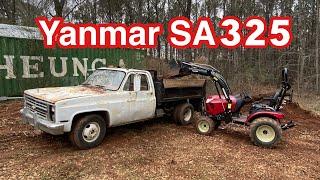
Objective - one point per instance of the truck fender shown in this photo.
(103, 112)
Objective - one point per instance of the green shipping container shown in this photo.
(26, 64)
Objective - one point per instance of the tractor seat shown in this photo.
(272, 101)
(240, 102)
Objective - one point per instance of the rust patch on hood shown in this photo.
(54, 94)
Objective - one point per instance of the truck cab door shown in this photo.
(127, 99)
(140, 98)
(144, 105)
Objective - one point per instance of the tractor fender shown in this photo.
(274, 115)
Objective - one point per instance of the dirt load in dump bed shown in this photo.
(183, 83)
(159, 149)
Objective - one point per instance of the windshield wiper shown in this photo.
(94, 85)
(99, 86)
(85, 84)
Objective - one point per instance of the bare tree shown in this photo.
(58, 7)
(317, 24)
(242, 65)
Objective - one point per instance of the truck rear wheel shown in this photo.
(88, 132)
(183, 114)
(265, 132)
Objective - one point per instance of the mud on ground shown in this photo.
(159, 149)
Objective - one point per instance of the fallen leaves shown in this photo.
(159, 149)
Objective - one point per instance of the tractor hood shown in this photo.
(54, 94)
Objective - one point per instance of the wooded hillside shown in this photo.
(247, 66)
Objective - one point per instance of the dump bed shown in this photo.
(175, 90)
(178, 89)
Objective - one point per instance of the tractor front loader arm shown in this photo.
(187, 68)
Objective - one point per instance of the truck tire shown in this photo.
(183, 114)
(265, 132)
(205, 125)
(88, 131)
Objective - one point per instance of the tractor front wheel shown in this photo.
(205, 125)
(265, 132)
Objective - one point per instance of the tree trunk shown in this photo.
(187, 11)
(157, 20)
(317, 47)
(13, 18)
(301, 60)
(58, 7)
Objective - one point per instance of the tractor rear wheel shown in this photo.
(205, 125)
(265, 132)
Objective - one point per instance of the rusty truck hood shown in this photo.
(54, 94)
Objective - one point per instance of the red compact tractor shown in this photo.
(264, 118)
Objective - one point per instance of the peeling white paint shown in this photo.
(27, 67)
(53, 66)
(8, 66)
(31, 66)
(77, 65)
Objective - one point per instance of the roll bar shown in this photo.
(283, 91)
(285, 81)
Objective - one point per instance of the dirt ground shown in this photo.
(159, 149)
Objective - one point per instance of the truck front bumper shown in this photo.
(31, 118)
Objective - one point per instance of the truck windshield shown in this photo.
(108, 79)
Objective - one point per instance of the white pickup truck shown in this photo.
(110, 97)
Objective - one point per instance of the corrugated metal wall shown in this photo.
(20, 50)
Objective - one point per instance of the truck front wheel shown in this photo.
(88, 131)
(183, 114)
